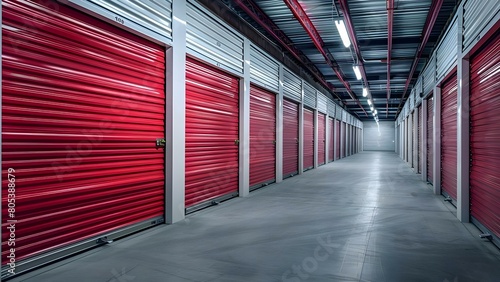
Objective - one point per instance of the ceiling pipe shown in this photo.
(426, 33)
(306, 23)
(390, 23)
(254, 11)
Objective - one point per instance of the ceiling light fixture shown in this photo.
(365, 92)
(357, 72)
(375, 111)
(343, 33)
(369, 102)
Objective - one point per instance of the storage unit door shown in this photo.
(449, 137)
(290, 138)
(419, 141)
(321, 138)
(338, 142)
(308, 139)
(343, 137)
(79, 131)
(262, 136)
(331, 144)
(485, 138)
(211, 134)
(430, 139)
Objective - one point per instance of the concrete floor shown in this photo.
(364, 218)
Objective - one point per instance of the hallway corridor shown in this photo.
(367, 217)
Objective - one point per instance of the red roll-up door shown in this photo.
(485, 137)
(430, 139)
(308, 139)
(83, 103)
(449, 136)
(419, 141)
(331, 144)
(349, 140)
(337, 134)
(211, 134)
(321, 138)
(290, 138)
(262, 136)
(344, 144)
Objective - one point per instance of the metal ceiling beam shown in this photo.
(307, 24)
(426, 33)
(254, 11)
(354, 40)
(390, 23)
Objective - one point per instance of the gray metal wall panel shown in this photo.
(344, 116)
(264, 70)
(309, 96)
(338, 112)
(322, 102)
(411, 99)
(210, 40)
(477, 15)
(446, 53)
(429, 78)
(153, 15)
(292, 86)
(379, 137)
(331, 108)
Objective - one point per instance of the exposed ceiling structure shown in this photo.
(390, 42)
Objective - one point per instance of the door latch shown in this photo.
(236, 142)
(160, 142)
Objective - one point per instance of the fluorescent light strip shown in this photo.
(357, 72)
(365, 92)
(369, 102)
(343, 33)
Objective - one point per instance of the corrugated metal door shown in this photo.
(430, 138)
(308, 139)
(337, 134)
(449, 136)
(331, 144)
(262, 136)
(419, 141)
(290, 138)
(321, 138)
(78, 129)
(485, 137)
(343, 139)
(211, 134)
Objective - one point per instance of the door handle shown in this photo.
(160, 142)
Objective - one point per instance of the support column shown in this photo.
(423, 152)
(279, 129)
(301, 131)
(436, 146)
(335, 138)
(463, 129)
(327, 138)
(244, 156)
(404, 139)
(175, 120)
(342, 139)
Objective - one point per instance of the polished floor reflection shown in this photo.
(364, 218)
